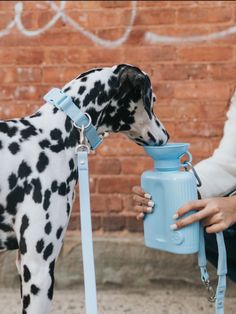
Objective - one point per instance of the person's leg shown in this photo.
(230, 243)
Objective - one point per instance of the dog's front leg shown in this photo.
(37, 285)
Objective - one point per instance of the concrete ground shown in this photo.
(131, 279)
(152, 300)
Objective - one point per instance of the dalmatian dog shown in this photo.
(38, 170)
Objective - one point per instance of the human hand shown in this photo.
(217, 214)
(142, 201)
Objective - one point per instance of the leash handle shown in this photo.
(218, 297)
(221, 272)
(86, 232)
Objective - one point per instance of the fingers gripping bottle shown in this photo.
(170, 187)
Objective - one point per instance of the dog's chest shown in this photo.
(37, 165)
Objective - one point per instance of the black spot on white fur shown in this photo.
(42, 162)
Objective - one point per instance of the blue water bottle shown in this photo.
(170, 188)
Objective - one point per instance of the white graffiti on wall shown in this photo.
(60, 14)
(149, 36)
(158, 39)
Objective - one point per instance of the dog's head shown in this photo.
(119, 99)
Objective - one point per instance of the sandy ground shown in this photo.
(118, 301)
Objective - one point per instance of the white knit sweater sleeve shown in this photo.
(218, 173)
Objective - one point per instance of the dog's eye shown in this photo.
(154, 98)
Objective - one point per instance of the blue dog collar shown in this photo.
(64, 102)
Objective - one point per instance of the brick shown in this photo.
(117, 184)
(205, 53)
(5, 19)
(56, 37)
(199, 147)
(156, 54)
(183, 30)
(133, 225)
(92, 185)
(74, 223)
(179, 72)
(164, 89)
(81, 5)
(44, 17)
(104, 166)
(113, 223)
(7, 6)
(53, 75)
(7, 56)
(98, 203)
(205, 90)
(136, 165)
(91, 19)
(7, 75)
(9, 110)
(170, 127)
(29, 74)
(199, 128)
(137, 37)
(115, 4)
(29, 56)
(195, 110)
(102, 56)
(7, 92)
(16, 39)
(96, 222)
(165, 112)
(120, 147)
(55, 56)
(33, 5)
(155, 16)
(141, 4)
(102, 203)
(204, 15)
(222, 71)
(112, 33)
(128, 202)
(114, 203)
(29, 19)
(30, 92)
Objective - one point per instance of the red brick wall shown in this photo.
(193, 81)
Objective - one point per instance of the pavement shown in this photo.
(131, 279)
(151, 300)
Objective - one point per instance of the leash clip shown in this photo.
(188, 164)
(82, 148)
(211, 292)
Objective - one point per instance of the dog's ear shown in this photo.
(133, 80)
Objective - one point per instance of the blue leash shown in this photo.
(83, 122)
(218, 297)
(86, 234)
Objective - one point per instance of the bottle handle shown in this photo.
(187, 164)
(189, 156)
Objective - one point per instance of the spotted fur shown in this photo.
(38, 168)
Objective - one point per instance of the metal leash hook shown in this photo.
(211, 292)
(188, 163)
(83, 146)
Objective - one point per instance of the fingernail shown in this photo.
(149, 209)
(173, 227)
(176, 216)
(151, 203)
(146, 195)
